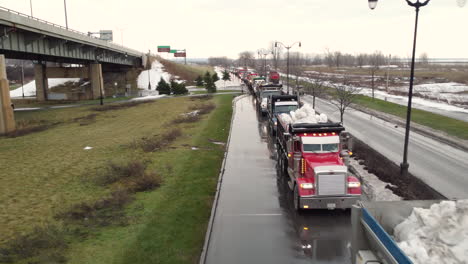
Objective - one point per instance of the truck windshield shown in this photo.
(285, 108)
(320, 148)
(266, 94)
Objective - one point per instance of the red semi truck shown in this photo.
(311, 156)
(273, 77)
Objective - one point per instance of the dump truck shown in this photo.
(311, 156)
(280, 104)
(273, 77)
(263, 92)
(373, 225)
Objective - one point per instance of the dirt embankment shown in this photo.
(410, 188)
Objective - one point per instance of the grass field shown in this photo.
(449, 125)
(186, 72)
(14, 86)
(47, 173)
(34, 103)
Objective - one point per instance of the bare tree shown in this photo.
(316, 87)
(377, 59)
(247, 59)
(337, 58)
(360, 59)
(343, 95)
(329, 58)
(295, 66)
(276, 54)
(317, 60)
(219, 61)
(424, 58)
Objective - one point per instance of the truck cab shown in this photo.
(263, 93)
(274, 77)
(280, 104)
(310, 155)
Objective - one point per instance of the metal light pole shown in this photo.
(30, 5)
(149, 76)
(65, 7)
(287, 60)
(417, 5)
(388, 71)
(22, 77)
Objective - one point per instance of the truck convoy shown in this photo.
(311, 156)
(280, 104)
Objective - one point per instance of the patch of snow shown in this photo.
(372, 186)
(149, 97)
(88, 148)
(30, 88)
(233, 84)
(193, 113)
(153, 76)
(436, 235)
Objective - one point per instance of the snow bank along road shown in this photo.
(442, 167)
(254, 221)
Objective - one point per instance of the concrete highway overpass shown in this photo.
(28, 38)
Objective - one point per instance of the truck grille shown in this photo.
(331, 184)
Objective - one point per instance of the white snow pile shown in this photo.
(232, 84)
(154, 76)
(305, 114)
(436, 235)
(30, 88)
(374, 188)
(147, 98)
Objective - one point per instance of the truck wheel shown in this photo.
(296, 199)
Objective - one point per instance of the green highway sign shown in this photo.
(164, 48)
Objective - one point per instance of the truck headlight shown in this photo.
(307, 186)
(354, 184)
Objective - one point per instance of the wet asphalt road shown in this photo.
(254, 221)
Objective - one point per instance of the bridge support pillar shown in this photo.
(97, 83)
(42, 85)
(7, 118)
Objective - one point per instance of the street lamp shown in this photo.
(372, 4)
(417, 5)
(65, 8)
(149, 76)
(287, 61)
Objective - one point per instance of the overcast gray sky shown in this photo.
(225, 28)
